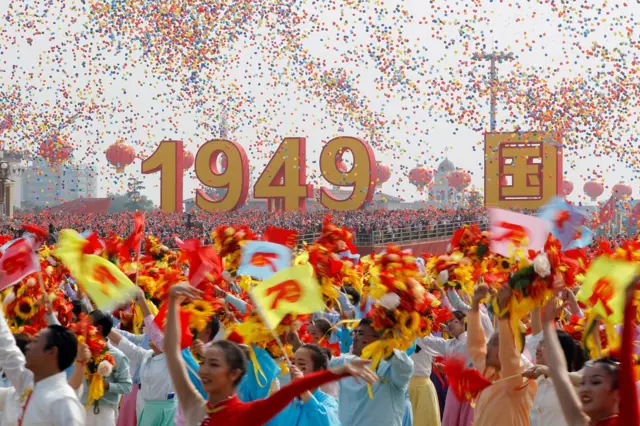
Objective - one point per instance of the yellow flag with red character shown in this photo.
(604, 287)
(103, 282)
(293, 290)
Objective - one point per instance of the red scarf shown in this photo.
(609, 421)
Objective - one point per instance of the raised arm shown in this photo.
(133, 352)
(77, 376)
(628, 392)
(567, 396)
(188, 397)
(260, 411)
(508, 352)
(476, 339)
(401, 368)
(12, 360)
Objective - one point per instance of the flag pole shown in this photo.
(275, 335)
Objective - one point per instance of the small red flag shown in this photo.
(607, 212)
(466, 383)
(202, 260)
(40, 233)
(133, 242)
(285, 237)
(185, 333)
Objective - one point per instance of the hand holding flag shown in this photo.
(18, 260)
(107, 285)
(294, 290)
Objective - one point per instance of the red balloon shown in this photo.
(342, 167)
(188, 159)
(420, 176)
(567, 187)
(459, 179)
(120, 155)
(593, 189)
(55, 150)
(622, 190)
(383, 173)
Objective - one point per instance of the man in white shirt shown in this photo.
(39, 380)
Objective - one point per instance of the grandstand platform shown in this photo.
(82, 206)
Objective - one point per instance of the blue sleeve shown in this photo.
(239, 304)
(316, 413)
(136, 339)
(401, 369)
(457, 302)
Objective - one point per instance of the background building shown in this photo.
(44, 184)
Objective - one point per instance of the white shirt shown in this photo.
(53, 402)
(437, 346)
(155, 382)
(546, 410)
(422, 362)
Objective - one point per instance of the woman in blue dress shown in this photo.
(312, 408)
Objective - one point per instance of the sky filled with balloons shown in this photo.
(77, 75)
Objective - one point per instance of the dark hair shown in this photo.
(214, 327)
(318, 356)
(459, 315)
(610, 365)
(77, 308)
(102, 319)
(573, 353)
(367, 322)
(66, 342)
(235, 356)
(22, 340)
(323, 324)
(350, 291)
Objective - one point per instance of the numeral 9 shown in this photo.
(362, 176)
(234, 178)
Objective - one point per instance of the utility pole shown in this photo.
(493, 76)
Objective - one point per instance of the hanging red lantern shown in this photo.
(120, 155)
(188, 159)
(383, 173)
(55, 150)
(593, 189)
(622, 190)
(567, 187)
(459, 180)
(420, 176)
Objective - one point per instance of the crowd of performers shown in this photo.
(465, 338)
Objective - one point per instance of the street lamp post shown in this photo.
(493, 74)
(4, 177)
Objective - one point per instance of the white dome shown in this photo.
(446, 166)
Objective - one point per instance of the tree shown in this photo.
(475, 198)
(133, 200)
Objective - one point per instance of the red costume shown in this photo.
(237, 413)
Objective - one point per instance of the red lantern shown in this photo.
(567, 187)
(383, 173)
(120, 155)
(459, 179)
(622, 190)
(188, 159)
(593, 189)
(55, 150)
(420, 177)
